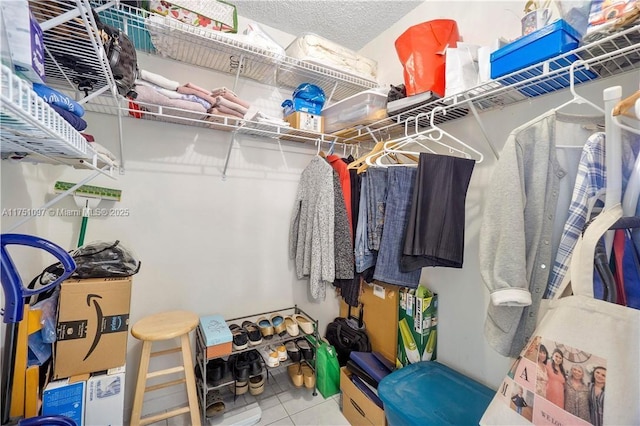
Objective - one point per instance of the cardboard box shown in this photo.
(25, 40)
(380, 317)
(305, 121)
(104, 401)
(64, 398)
(93, 325)
(417, 327)
(216, 335)
(355, 406)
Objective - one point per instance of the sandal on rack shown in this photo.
(292, 326)
(308, 376)
(295, 372)
(266, 328)
(253, 331)
(240, 337)
(305, 323)
(278, 324)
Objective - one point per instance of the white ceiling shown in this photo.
(351, 23)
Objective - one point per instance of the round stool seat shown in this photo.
(165, 325)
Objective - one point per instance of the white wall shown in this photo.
(214, 246)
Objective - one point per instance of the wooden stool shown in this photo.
(158, 327)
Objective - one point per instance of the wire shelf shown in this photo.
(70, 36)
(30, 125)
(74, 56)
(164, 36)
(603, 55)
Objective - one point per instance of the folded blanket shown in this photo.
(233, 98)
(198, 88)
(172, 94)
(223, 109)
(220, 101)
(186, 90)
(53, 97)
(218, 118)
(103, 151)
(78, 123)
(198, 99)
(159, 80)
(261, 117)
(148, 95)
(168, 93)
(219, 91)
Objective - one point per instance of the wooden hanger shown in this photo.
(355, 164)
(625, 107)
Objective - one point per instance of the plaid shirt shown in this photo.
(588, 194)
(588, 197)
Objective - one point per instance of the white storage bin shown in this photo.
(361, 108)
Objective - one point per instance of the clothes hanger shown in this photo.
(320, 152)
(577, 99)
(435, 130)
(391, 148)
(355, 164)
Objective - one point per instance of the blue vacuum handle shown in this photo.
(14, 292)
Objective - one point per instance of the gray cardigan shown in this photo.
(311, 236)
(515, 235)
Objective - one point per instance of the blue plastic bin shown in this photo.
(553, 40)
(430, 393)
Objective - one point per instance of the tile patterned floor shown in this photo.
(282, 404)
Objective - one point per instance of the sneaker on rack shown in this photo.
(270, 356)
(282, 352)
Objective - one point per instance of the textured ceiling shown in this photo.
(351, 23)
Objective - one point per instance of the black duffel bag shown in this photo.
(347, 335)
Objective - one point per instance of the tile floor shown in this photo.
(281, 404)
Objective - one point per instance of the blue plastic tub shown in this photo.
(553, 40)
(429, 393)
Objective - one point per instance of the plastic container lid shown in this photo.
(560, 24)
(430, 393)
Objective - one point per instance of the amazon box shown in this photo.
(93, 325)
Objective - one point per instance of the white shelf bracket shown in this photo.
(474, 111)
(55, 200)
(226, 161)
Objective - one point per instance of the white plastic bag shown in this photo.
(461, 68)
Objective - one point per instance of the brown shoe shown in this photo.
(295, 372)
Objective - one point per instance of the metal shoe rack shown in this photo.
(227, 386)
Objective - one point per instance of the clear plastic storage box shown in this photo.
(361, 108)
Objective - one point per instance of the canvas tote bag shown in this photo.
(589, 333)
